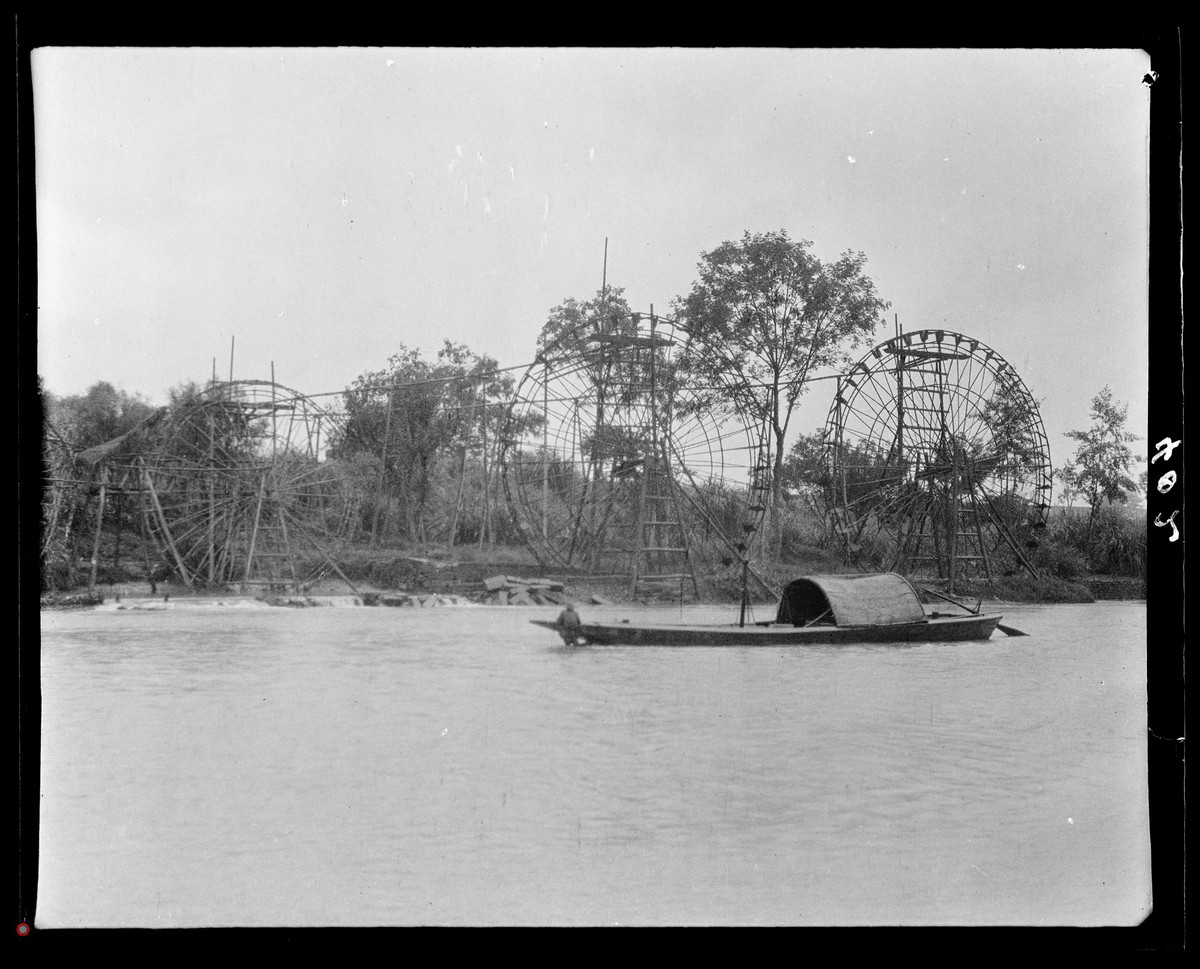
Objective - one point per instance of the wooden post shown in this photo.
(274, 427)
(545, 447)
(745, 590)
(387, 431)
(640, 539)
(839, 459)
(226, 558)
(953, 536)
(212, 502)
(262, 488)
(99, 525)
(117, 547)
(462, 472)
(987, 565)
(287, 542)
(145, 537)
(1002, 528)
(899, 400)
(162, 523)
(485, 527)
(936, 527)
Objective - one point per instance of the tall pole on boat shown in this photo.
(745, 582)
(952, 539)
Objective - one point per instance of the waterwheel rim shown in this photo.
(601, 408)
(937, 461)
(238, 489)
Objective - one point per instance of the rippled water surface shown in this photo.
(373, 766)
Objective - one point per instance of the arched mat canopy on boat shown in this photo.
(850, 600)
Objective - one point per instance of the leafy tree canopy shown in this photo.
(429, 401)
(763, 314)
(573, 321)
(1012, 418)
(97, 416)
(805, 470)
(1100, 472)
(407, 416)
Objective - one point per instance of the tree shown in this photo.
(590, 339)
(568, 340)
(72, 425)
(408, 417)
(97, 416)
(1100, 473)
(1014, 424)
(805, 471)
(763, 314)
(62, 493)
(572, 323)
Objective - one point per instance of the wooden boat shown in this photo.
(814, 610)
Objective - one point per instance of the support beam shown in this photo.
(99, 526)
(166, 530)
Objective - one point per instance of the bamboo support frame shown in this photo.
(387, 434)
(262, 487)
(166, 529)
(99, 526)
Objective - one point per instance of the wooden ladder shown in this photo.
(269, 545)
(661, 559)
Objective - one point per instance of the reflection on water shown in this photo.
(459, 767)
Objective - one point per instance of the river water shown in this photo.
(244, 765)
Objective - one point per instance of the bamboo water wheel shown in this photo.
(937, 460)
(236, 489)
(611, 468)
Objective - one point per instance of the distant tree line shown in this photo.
(420, 436)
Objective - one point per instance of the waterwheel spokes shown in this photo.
(613, 464)
(240, 490)
(937, 459)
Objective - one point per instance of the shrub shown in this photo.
(803, 531)
(1056, 558)
(1118, 543)
(1114, 543)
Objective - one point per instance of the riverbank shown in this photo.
(392, 577)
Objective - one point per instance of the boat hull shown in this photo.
(936, 630)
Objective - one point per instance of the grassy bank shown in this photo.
(461, 571)
(1018, 588)
(1079, 558)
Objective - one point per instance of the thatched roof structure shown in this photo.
(126, 446)
(853, 600)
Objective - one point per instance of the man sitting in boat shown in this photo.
(569, 625)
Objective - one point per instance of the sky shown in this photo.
(314, 210)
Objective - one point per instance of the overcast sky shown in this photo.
(322, 207)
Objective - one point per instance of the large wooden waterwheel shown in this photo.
(609, 468)
(937, 461)
(236, 489)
